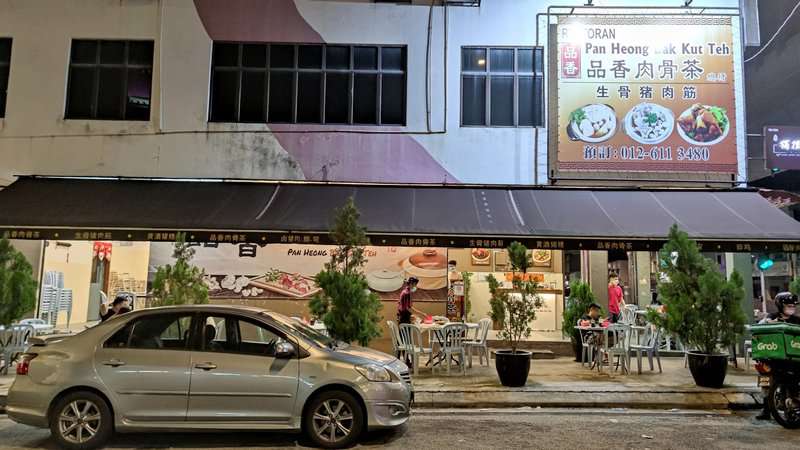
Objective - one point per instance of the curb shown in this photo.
(616, 399)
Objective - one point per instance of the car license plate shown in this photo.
(763, 381)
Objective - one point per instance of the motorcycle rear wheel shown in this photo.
(777, 400)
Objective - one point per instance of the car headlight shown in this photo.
(374, 372)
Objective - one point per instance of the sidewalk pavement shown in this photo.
(5, 383)
(563, 383)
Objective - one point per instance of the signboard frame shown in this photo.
(639, 177)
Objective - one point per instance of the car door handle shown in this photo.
(205, 366)
(114, 363)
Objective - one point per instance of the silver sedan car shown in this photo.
(206, 368)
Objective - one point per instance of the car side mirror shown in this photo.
(284, 350)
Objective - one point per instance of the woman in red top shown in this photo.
(615, 300)
(405, 305)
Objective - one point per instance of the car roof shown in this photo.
(205, 308)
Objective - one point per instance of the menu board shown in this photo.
(645, 94)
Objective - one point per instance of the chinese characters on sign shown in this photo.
(782, 147)
(22, 234)
(635, 96)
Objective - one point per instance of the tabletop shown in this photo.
(591, 328)
(436, 326)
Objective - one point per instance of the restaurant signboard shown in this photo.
(782, 147)
(644, 94)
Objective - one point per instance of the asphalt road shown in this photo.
(477, 429)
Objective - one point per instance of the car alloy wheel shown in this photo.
(333, 421)
(79, 421)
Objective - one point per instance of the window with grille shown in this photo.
(5, 64)
(323, 84)
(502, 86)
(110, 80)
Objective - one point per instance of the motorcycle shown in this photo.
(782, 377)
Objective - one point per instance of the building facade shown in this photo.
(440, 92)
(439, 119)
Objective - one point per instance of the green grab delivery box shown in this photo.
(776, 341)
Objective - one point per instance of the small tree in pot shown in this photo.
(580, 297)
(350, 311)
(180, 283)
(702, 307)
(17, 285)
(514, 309)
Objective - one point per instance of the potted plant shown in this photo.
(514, 309)
(580, 297)
(703, 309)
(348, 308)
(17, 284)
(180, 283)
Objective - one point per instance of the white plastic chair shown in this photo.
(479, 343)
(411, 339)
(452, 336)
(13, 341)
(652, 339)
(628, 314)
(397, 346)
(748, 353)
(620, 334)
(587, 349)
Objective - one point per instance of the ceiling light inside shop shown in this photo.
(481, 62)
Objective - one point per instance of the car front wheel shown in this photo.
(81, 421)
(334, 419)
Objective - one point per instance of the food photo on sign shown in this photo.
(633, 95)
(242, 271)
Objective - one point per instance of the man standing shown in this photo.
(615, 300)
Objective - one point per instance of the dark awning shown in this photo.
(452, 216)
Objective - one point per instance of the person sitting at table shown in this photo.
(592, 316)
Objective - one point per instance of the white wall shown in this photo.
(178, 141)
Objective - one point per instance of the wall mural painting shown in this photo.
(286, 271)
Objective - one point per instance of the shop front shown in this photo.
(262, 243)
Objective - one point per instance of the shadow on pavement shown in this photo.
(228, 439)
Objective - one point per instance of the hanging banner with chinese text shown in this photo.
(645, 94)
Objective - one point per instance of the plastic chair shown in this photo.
(650, 346)
(620, 334)
(411, 339)
(13, 341)
(480, 343)
(748, 353)
(452, 336)
(587, 349)
(628, 314)
(397, 346)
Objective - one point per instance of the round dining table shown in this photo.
(434, 336)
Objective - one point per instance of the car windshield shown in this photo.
(303, 330)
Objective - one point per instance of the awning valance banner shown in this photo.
(436, 216)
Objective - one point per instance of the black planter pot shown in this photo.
(512, 368)
(708, 370)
